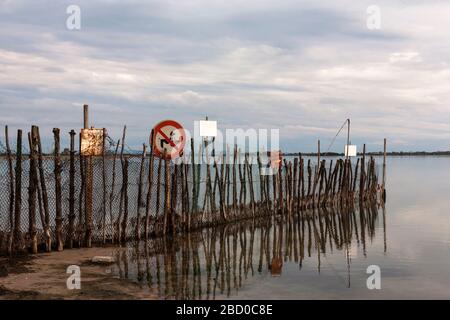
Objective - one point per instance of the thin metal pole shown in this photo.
(348, 139)
(384, 163)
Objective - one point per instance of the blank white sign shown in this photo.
(350, 150)
(208, 128)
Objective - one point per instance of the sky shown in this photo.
(302, 67)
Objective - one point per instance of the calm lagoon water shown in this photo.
(322, 258)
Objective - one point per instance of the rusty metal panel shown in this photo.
(92, 142)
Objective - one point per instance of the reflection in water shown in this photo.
(217, 261)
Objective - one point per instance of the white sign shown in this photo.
(350, 151)
(208, 128)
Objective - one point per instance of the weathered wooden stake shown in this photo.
(89, 187)
(174, 199)
(32, 197)
(104, 186)
(139, 198)
(125, 200)
(362, 178)
(194, 184)
(11, 192)
(250, 181)
(158, 189)
(58, 199)
(71, 190)
(150, 187)
(111, 195)
(167, 204)
(46, 223)
(80, 227)
(18, 198)
(122, 191)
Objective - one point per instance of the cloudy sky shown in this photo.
(300, 66)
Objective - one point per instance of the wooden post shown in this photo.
(11, 192)
(18, 198)
(71, 189)
(294, 184)
(335, 177)
(58, 204)
(198, 173)
(250, 181)
(81, 197)
(261, 181)
(240, 180)
(111, 195)
(320, 178)
(89, 185)
(122, 163)
(308, 195)
(32, 191)
(85, 116)
(223, 213)
(150, 186)
(187, 213)
(213, 186)
(355, 176)
(174, 199)
(167, 207)
(139, 198)
(328, 180)
(362, 178)
(208, 180)
(158, 188)
(46, 223)
(183, 196)
(194, 185)
(302, 179)
(227, 179)
(125, 200)
(217, 183)
(280, 188)
(318, 154)
(104, 186)
(341, 174)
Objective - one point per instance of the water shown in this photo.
(409, 240)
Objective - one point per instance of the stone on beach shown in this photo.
(103, 259)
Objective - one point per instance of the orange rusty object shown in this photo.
(92, 142)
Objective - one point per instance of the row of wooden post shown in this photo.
(295, 187)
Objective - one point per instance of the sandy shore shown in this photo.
(43, 276)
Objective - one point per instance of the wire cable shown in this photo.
(334, 139)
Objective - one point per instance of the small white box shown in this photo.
(208, 128)
(351, 150)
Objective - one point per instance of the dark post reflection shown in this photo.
(217, 261)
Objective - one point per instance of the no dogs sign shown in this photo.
(168, 137)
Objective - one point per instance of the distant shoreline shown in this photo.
(379, 153)
(292, 154)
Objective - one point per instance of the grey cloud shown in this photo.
(302, 67)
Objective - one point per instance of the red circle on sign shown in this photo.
(168, 135)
